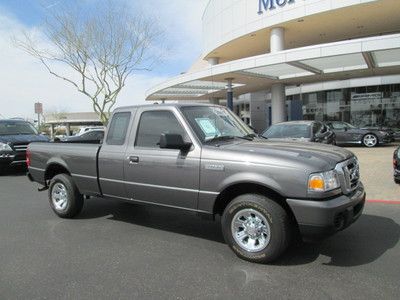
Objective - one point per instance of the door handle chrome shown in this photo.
(133, 159)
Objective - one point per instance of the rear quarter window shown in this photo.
(118, 128)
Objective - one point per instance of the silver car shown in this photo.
(349, 134)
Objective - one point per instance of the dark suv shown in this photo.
(396, 165)
(306, 131)
(15, 135)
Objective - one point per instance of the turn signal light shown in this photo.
(316, 183)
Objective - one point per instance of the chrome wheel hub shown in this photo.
(370, 140)
(251, 230)
(59, 196)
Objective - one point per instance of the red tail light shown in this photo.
(28, 158)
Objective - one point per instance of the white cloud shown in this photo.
(24, 81)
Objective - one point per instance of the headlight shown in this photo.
(323, 182)
(5, 147)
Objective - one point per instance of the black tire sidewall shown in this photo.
(275, 216)
(75, 199)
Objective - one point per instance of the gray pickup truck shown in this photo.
(203, 158)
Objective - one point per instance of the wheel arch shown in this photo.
(54, 168)
(240, 188)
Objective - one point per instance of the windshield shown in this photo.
(212, 122)
(349, 125)
(288, 131)
(16, 128)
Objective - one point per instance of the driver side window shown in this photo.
(154, 123)
(339, 126)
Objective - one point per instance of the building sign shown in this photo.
(371, 97)
(265, 5)
(366, 102)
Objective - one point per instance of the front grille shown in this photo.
(20, 148)
(349, 172)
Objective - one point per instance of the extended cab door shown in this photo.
(112, 154)
(163, 176)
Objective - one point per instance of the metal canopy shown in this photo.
(335, 61)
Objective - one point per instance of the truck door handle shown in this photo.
(133, 159)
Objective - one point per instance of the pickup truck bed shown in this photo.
(81, 158)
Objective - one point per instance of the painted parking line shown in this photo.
(384, 201)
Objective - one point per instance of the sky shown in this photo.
(24, 80)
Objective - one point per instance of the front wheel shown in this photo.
(64, 197)
(370, 140)
(256, 228)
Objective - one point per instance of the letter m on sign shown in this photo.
(265, 5)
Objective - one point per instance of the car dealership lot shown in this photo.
(119, 250)
(376, 167)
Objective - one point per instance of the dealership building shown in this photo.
(277, 60)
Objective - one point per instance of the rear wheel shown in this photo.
(370, 140)
(64, 197)
(256, 228)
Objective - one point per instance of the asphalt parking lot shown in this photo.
(119, 250)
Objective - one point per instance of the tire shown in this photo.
(264, 222)
(370, 140)
(64, 197)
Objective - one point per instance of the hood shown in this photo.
(23, 138)
(314, 156)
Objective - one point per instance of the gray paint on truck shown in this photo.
(193, 180)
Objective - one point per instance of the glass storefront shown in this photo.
(362, 106)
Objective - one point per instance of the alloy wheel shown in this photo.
(251, 230)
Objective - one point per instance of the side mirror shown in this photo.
(173, 141)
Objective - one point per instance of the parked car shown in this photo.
(89, 137)
(15, 135)
(83, 130)
(349, 134)
(307, 131)
(204, 159)
(396, 165)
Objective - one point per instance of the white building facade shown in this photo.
(277, 60)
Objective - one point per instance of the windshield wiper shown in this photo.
(247, 137)
(220, 138)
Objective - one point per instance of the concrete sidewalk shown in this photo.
(376, 166)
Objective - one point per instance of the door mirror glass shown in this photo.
(173, 141)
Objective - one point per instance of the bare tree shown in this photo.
(102, 45)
